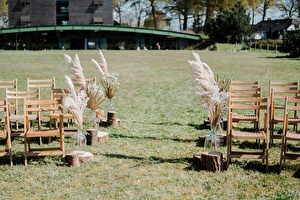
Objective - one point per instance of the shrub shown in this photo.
(291, 43)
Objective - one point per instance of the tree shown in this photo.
(288, 8)
(184, 8)
(230, 25)
(3, 13)
(140, 8)
(266, 4)
(119, 7)
(291, 43)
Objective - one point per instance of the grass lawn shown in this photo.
(149, 156)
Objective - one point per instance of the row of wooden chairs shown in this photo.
(42, 101)
(247, 104)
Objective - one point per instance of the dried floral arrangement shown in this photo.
(93, 92)
(109, 81)
(90, 95)
(213, 90)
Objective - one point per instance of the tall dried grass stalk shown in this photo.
(102, 65)
(207, 88)
(76, 70)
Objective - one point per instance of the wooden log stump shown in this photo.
(86, 157)
(102, 136)
(92, 137)
(72, 160)
(112, 118)
(210, 161)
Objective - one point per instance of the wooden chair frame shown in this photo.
(256, 134)
(291, 105)
(38, 107)
(5, 133)
(18, 115)
(278, 92)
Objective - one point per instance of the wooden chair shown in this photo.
(16, 113)
(5, 133)
(278, 92)
(292, 105)
(59, 94)
(242, 132)
(44, 86)
(38, 107)
(10, 85)
(92, 80)
(246, 89)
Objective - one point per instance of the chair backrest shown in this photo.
(44, 86)
(249, 106)
(92, 80)
(7, 84)
(281, 89)
(18, 98)
(2, 110)
(59, 93)
(42, 108)
(244, 83)
(291, 112)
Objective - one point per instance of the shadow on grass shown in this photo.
(153, 138)
(150, 160)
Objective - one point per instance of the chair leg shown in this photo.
(25, 152)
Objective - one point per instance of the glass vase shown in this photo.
(80, 142)
(212, 142)
(111, 106)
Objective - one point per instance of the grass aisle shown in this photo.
(149, 155)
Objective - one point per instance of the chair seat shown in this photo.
(248, 135)
(32, 133)
(238, 117)
(16, 118)
(292, 136)
(65, 115)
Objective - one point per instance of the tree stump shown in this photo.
(72, 160)
(92, 137)
(86, 157)
(112, 118)
(102, 136)
(210, 161)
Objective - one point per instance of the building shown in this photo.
(23, 13)
(274, 29)
(79, 24)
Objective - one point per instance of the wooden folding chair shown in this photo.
(38, 107)
(16, 113)
(59, 94)
(242, 131)
(92, 80)
(290, 149)
(5, 133)
(246, 89)
(278, 92)
(10, 85)
(44, 86)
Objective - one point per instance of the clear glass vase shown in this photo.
(212, 142)
(111, 106)
(80, 142)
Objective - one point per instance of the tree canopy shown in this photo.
(230, 25)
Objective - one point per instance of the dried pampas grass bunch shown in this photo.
(74, 102)
(212, 90)
(94, 93)
(109, 81)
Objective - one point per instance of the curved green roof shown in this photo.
(100, 28)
